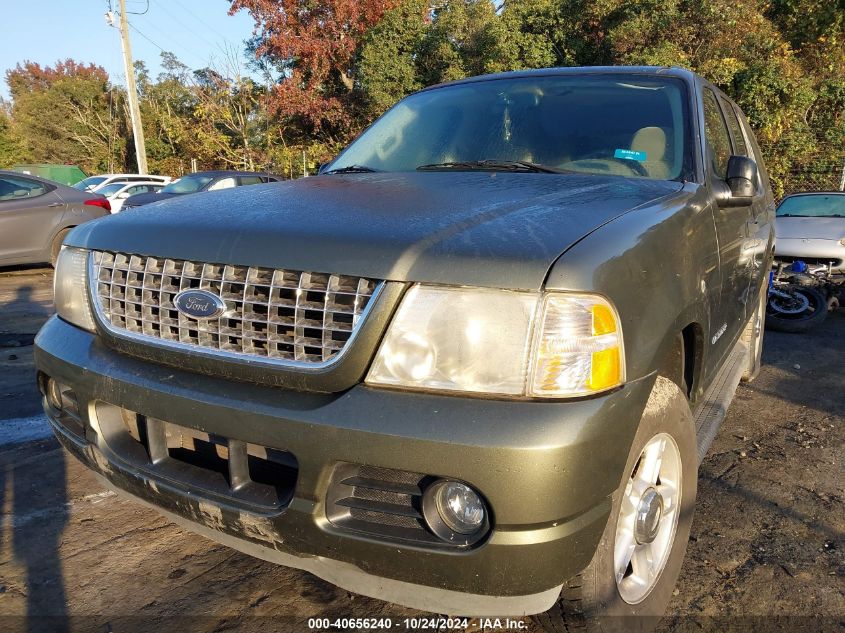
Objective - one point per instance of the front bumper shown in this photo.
(547, 470)
(812, 250)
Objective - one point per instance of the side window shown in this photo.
(223, 183)
(250, 180)
(716, 135)
(750, 143)
(12, 188)
(733, 123)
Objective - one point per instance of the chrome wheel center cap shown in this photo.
(649, 512)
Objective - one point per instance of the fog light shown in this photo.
(455, 512)
(54, 394)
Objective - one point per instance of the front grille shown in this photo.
(282, 315)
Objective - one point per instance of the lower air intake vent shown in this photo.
(382, 502)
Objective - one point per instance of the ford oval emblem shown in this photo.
(199, 304)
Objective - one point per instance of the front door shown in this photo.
(732, 231)
(29, 211)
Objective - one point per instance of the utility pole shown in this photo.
(131, 90)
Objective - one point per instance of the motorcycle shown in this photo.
(800, 297)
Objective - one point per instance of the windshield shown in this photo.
(621, 125)
(188, 184)
(813, 206)
(90, 182)
(111, 189)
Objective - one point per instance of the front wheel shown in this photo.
(796, 309)
(629, 582)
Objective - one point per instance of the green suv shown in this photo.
(470, 368)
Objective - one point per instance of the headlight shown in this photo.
(457, 339)
(501, 342)
(70, 290)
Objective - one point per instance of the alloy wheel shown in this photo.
(648, 518)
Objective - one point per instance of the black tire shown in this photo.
(801, 323)
(591, 601)
(56, 246)
(752, 336)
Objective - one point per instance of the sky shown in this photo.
(198, 32)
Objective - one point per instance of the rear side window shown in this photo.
(733, 123)
(223, 183)
(12, 188)
(716, 135)
(251, 180)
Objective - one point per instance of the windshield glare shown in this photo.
(187, 184)
(91, 181)
(813, 206)
(619, 125)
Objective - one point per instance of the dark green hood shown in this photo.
(468, 228)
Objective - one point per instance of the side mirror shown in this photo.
(741, 177)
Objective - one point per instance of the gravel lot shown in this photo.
(767, 549)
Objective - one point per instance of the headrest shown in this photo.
(652, 141)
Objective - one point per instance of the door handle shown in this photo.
(56, 204)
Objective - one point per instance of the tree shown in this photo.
(387, 65)
(65, 113)
(230, 118)
(465, 38)
(10, 151)
(315, 45)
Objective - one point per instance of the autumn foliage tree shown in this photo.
(65, 113)
(315, 47)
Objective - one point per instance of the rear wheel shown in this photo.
(56, 246)
(629, 582)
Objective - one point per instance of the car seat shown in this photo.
(652, 142)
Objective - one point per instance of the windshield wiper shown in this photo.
(352, 169)
(493, 165)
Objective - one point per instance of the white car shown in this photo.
(811, 227)
(95, 183)
(118, 192)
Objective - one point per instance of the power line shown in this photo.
(186, 26)
(138, 31)
(200, 20)
(147, 8)
(146, 37)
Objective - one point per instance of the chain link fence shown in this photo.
(821, 170)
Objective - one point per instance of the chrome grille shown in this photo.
(282, 315)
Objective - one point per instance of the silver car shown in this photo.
(811, 227)
(36, 214)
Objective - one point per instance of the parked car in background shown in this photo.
(811, 227)
(202, 181)
(36, 214)
(118, 192)
(95, 183)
